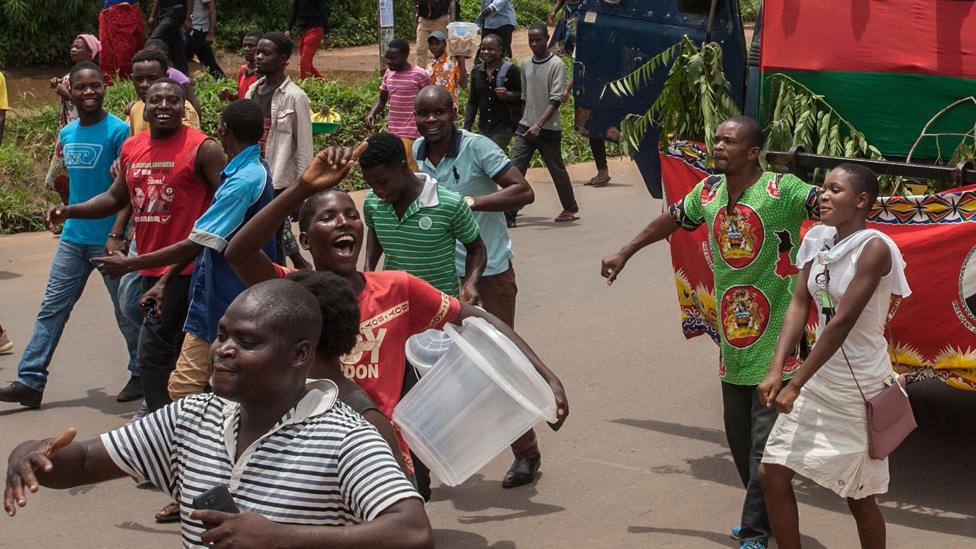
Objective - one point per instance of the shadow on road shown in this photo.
(932, 477)
(136, 527)
(478, 494)
(718, 539)
(457, 538)
(96, 399)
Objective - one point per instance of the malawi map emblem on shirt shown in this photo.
(739, 235)
(745, 314)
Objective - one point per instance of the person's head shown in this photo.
(86, 85)
(155, 44)
(265, 344)
(339, 306)
(384, 165)
(738, 142)
(272, 53)
(241, 125)
(332, 231)
(165, 105)
(85, 47)
(249, 44)
(148, 66)
(435, 114)
(538, 39)
(491, 48)
(397, 54)
(849, 193)
(437, 43)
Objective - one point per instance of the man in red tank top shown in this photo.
(168, 176)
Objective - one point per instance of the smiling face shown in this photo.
(733, 152)
(334, 233)
(165, 106)
(434, 114)
(436, 46)
(267, 58)
(248, 46)
(79, 51)
(840, 200)
(144, 73)
(491, 50)
(538, 42)
(242, 351)
(87, 90)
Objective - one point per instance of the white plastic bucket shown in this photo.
(481, 396)
(462, 39)
(426, 348)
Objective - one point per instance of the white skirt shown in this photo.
(825, 439)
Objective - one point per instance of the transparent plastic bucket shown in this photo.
(462, 39)
(426, 348)
(480, 396)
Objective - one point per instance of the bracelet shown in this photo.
(116, 236)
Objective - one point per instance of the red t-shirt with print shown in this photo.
(166, 193)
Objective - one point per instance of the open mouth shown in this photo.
(344, 246)
(164, 116)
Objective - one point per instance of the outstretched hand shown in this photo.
(330, 166)
(611, 266)
(24, 461)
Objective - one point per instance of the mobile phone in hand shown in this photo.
(217, 498)
(151, 307)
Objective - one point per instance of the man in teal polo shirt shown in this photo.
(415, 222)
(473, 166)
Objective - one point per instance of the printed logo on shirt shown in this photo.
(82, 156)
(370, 340)
(744, 312)
(739, 235)
(426, 223)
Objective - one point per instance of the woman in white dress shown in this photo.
(851, 274)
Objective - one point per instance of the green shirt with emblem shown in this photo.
(753, 248)
(422, 242)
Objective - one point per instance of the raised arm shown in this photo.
(660, 228)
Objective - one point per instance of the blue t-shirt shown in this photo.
(110, 3)
(245, 188)
(89, 152)
(469, 168)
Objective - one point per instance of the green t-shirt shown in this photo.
(422, 242)
(753, 249)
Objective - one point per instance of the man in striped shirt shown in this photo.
(401, 84)
(415, 222)
(297, 463)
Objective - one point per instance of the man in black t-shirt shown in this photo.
(166, 19)
(432, 15)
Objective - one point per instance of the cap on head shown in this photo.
(437, 35)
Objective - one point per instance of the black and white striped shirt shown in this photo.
(321, 464)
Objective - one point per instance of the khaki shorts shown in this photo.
(193, 368)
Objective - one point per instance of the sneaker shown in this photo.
(131, 391)
(736, 532)
(21, 394)
(752, 543)
(6, 346)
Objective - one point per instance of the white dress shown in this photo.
(824, 437)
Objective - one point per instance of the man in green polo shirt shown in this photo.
(415, 222)
(475, 167)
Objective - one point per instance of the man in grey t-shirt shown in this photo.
(202, 26)
(543, 88)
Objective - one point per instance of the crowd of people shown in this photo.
(191, 234)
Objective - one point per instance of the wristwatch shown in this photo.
(469, 200)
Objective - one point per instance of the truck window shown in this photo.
(694, 7)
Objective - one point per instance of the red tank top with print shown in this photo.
(167, 195)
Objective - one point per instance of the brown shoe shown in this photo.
(6, 346)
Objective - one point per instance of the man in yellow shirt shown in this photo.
(147, 67)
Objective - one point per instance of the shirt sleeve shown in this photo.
(190, 116)
(805, 196)
(146, 449)
(522, 80)
(369, 203)
(430, 308)
(370, 479)
(688, 211)
(557, 82)
(303, 133)
(491, 158)
(384, 83)
(224, 216)
(464, 226)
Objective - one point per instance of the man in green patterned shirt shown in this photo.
(415, 222)
(753, 220)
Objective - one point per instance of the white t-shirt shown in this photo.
(865, 346)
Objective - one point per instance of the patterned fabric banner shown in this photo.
(934, 330)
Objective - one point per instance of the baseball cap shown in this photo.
(437, 35)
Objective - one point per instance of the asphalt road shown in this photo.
(641, 461)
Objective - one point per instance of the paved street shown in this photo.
(641, 461)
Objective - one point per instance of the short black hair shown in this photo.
(143, 56)
(309, 207)
(539, 27)
(290, 308)
(339, 306)
(383, 148)
(863, 178)
(400, 45)
(84, 66)
(254, 34)
(156, 43)
(179, 87)
(283, 44)
(245, 119)
(752, 129)
(495, 37)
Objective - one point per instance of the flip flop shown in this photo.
(598, 181)
(168, 514)
(566, 217)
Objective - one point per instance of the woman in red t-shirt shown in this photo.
(394, 305)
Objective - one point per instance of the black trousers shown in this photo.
(599, 149)
(196, 45)
(505, 33)
(747, 426)
(549, 145)
(170, 30)
(160, 340)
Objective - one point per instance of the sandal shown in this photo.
(598, 181)
(566, 217)
(168, 514)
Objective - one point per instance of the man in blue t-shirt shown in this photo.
(91, 144)
(475, 167)
(245, 188)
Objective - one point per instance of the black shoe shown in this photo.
(131, 391)
(21, 394)
(521, 472)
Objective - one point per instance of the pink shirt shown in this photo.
(403, 87)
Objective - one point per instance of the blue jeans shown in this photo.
(69, 274)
